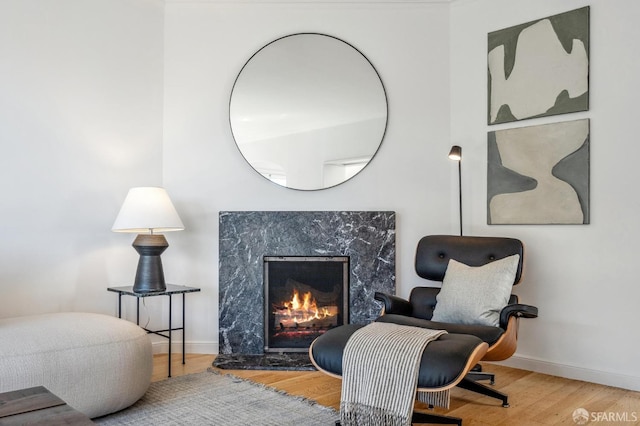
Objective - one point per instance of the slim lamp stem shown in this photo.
(456, 155)
(460, 192)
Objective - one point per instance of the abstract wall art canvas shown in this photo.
(539, 174)
(539, 68)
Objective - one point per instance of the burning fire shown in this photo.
(305, 312)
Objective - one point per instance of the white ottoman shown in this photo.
(96, 363)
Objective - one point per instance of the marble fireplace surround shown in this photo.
(367, 237)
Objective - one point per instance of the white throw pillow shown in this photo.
(475, 295)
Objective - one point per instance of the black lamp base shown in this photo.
(149, 275)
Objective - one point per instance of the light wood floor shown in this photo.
(536, 399)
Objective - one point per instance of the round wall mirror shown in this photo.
(308, 111)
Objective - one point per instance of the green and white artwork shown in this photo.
(539, 174)
(540, 68)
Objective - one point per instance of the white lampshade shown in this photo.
(147, 210)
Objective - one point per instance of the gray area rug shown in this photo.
(209, 398)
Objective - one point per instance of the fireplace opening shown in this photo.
(304, 297)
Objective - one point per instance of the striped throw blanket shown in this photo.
(380, 368)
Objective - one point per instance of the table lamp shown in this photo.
(148, 211)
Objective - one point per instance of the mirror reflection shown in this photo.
(308, 111)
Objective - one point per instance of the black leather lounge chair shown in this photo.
(432, 258)
(487, 262)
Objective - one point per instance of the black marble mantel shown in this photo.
(367, 237)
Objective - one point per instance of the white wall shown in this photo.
(80, 122)
(206, 45)
(580, 332)
(582, 278)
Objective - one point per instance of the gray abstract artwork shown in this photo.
(539, 68)
(539, 174)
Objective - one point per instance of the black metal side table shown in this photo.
(171, 290)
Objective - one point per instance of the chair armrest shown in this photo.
(517, 310)
(394, 304)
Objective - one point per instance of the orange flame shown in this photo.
(300, 311)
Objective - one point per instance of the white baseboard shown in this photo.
(573, 372)
(161, 347)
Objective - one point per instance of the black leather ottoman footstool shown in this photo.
(444, 362)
